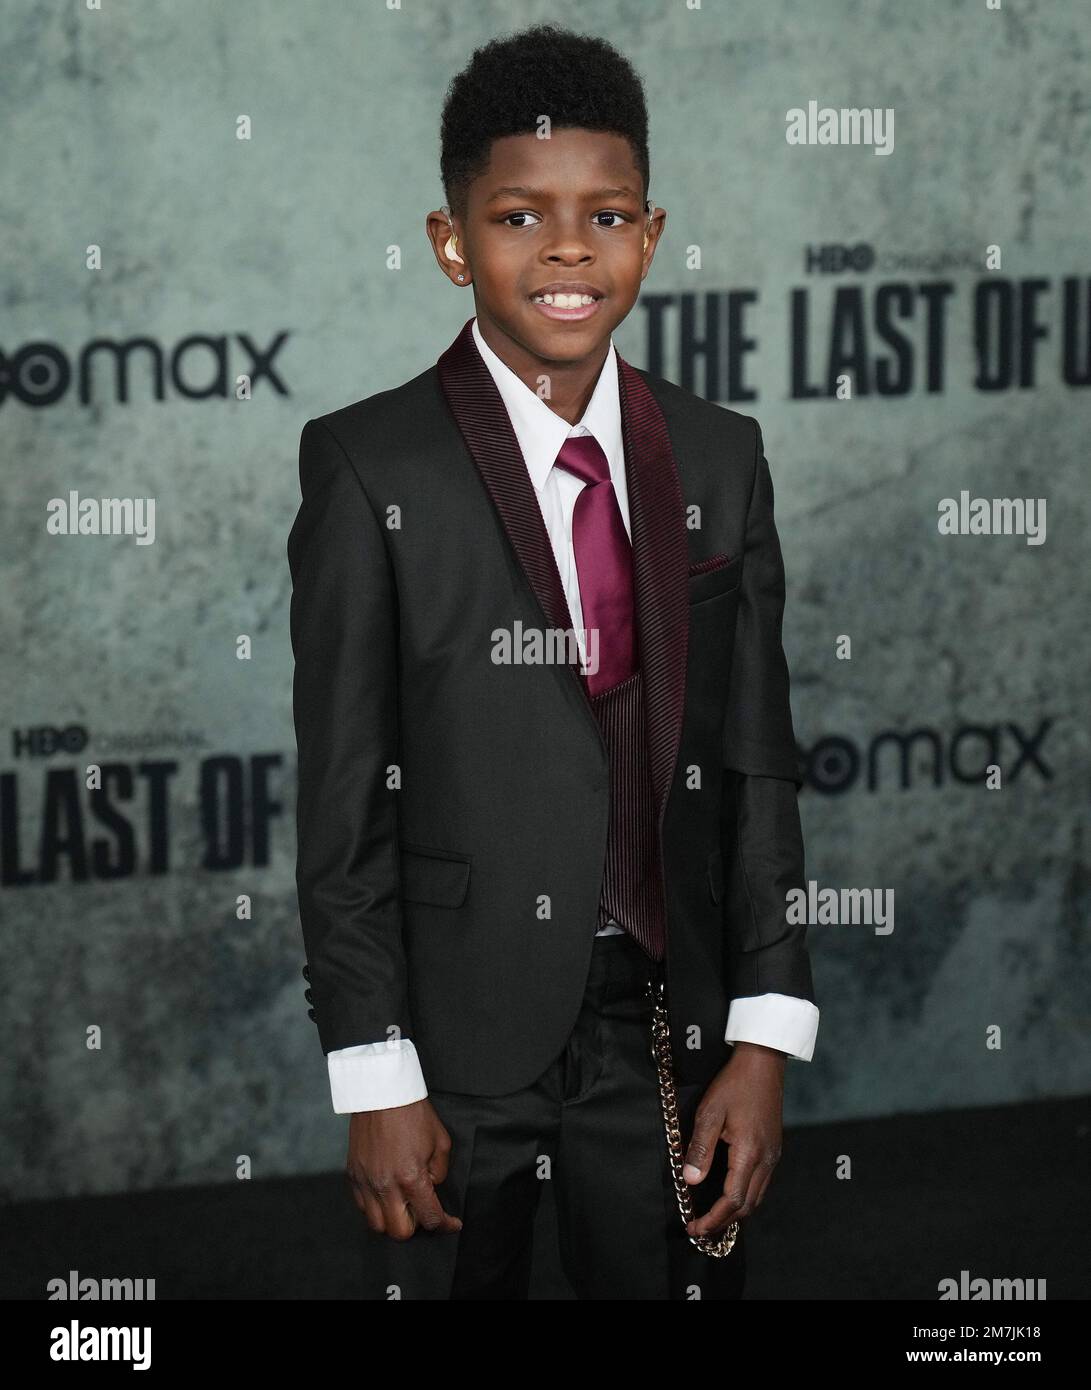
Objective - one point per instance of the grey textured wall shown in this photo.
(120, 132)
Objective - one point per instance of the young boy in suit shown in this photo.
(547, 769)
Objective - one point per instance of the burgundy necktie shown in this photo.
(604, 562)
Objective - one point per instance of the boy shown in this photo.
(546, 759)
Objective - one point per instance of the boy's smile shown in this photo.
(552, 241)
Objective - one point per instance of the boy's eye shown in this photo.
(510, 215)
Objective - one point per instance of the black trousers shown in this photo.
(591, 1125)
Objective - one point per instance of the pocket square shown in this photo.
(714, 562)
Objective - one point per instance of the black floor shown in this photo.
(1001, 1192)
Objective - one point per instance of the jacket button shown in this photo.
(308, 996)
(307, 974)
(310, 1015)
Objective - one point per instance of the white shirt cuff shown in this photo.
(375, 1076)
(780, 1021)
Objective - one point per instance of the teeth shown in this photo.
(565, 301)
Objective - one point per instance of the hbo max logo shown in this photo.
(908, 758)
(199, 367)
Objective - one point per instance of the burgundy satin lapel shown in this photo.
(482, 419)
(661, 559)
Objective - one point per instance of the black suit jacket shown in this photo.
(443, 798)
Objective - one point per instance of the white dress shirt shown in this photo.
(377, 1075)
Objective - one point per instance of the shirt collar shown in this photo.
(541, 431)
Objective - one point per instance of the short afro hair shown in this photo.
(510, 83)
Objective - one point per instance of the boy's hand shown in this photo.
(743, 1107)
(395, 1156)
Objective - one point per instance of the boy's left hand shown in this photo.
(743, 1107)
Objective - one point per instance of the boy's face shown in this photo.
(565, 211)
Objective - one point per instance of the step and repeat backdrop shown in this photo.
(213, 230)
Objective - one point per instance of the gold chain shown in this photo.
(661, 1050)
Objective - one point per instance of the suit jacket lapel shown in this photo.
(661, 568)
(656, 519)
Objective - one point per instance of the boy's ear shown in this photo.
(652, 231)
(445, 243)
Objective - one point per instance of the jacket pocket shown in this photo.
(437, 876)
(714, 562)
(709, 578)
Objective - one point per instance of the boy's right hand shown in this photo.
(395, 1157)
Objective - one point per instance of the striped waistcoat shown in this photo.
(632, 882)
